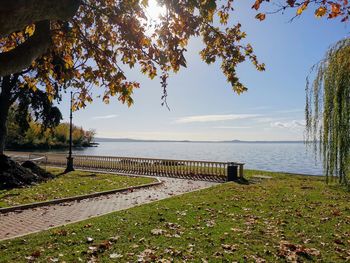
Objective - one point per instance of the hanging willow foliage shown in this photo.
(328, 111)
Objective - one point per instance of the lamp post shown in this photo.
(70, 167)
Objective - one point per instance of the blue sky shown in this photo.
(202, 104)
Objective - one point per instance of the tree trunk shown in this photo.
(5, 103)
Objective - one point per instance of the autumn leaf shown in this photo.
(302, 8)
(335, 8)
(30, 30)
(260, 16)
(223, 17)
(144, 3)
(229, 247)
(291, 3)
(157, 232)
(321, 11)
(257, 4)
(115, 256)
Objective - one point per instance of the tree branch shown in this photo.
(16, 14)
(23, 55)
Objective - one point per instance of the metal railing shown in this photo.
(202, 170)
(38, 158)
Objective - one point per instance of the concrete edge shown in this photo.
(76, 198)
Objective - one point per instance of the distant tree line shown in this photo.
(33, 135)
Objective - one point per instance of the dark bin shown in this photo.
(232, 172)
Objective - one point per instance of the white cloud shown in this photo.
(105, 117)
(259, 108)
(213, 118)
(294, 124)
(265, 119)
(291, 111)
(231, 127)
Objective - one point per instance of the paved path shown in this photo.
(15, 224)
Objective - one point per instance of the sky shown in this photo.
(203, 105)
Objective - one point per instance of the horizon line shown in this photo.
(187, 140)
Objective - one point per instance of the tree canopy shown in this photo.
(30, 134)
(49, 45)
(87, 43)
(328, 110)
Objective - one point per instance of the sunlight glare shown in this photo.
(154, 11)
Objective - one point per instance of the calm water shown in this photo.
(286, 157)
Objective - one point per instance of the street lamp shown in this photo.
(70, 167)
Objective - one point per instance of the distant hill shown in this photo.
(232, 141)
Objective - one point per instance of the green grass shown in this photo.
(281, 219)
(71, 184)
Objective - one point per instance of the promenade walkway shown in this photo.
(15, 224)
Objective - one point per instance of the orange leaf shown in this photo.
(321, 11)
(256, 5)
(260, 16)
(335, 8)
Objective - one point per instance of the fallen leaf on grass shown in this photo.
(61, 232)
(336, 212)
(210, 223)
(293, 252)
(33, 256)
(339, 242)
(157, 232)
(148, 255)
(228, 247)
(114, 239)
(258, 259)
(115, 256)
(36, 254)
(236, 229)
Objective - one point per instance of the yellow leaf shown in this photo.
(30, 30)
(302, 8)
(299, 11)
(321, 11)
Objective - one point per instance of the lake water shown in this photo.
(286, 157)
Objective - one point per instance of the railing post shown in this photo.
(232, 172)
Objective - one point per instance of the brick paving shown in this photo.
(20, 223)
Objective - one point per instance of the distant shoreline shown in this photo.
(45, 147)
(186, 141)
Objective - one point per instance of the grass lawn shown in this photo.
(71, 184)
(286, 218)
